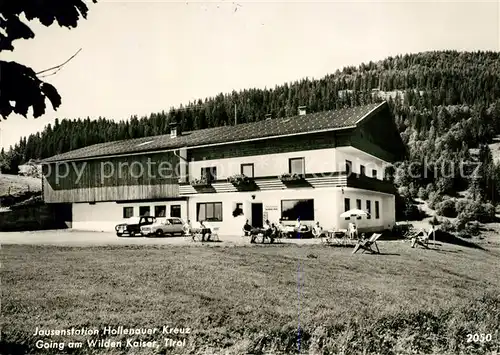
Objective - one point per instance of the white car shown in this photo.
(164, 226)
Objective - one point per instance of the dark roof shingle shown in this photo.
(327, 120)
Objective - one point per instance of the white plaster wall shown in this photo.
(326, 206)
(104, 216)
(358, 158)
(387, 210)
(316, 161)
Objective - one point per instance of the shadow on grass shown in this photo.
(440, 236)
(448, 238)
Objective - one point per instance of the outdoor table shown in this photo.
(201, 231)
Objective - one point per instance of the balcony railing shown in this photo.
(242, 182)
(287, 177)
(368, 183)
(201, 182)
(318, 180)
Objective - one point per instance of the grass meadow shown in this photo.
(282, 299)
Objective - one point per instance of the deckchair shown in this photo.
(367, 245)
(422, 240)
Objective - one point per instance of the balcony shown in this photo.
(202, 185)
(242, 182)
(367, 183)
(294, 180)
(319, 180)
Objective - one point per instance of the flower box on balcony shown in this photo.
(241, 182)
(202, 182)
(292, 177)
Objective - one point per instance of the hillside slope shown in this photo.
(423, 83)
(14, 184)
(16, 189)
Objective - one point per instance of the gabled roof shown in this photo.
(265, 129)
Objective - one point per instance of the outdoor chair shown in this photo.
(327, 237)
(352, 230)
(197, 234)
(214, 237)
(422, 239)
(368, 244)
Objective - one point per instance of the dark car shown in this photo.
(133, 225)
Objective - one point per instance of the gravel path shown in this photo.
(71, 237)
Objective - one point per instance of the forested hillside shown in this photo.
(444, 102)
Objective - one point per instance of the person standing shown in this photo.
(187, 227)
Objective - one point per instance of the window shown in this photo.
(175, 211)
(247, 170)
(161, 211)
(358, 204)
(144, 210)
(293, 209)
(296, 166)
(209, 173)
(174, 221)
(348, 167)
(374, 173)
(128, 212)
(377, 210)
(362, 170)
(209, 211)
(347, 204)
(368, 208)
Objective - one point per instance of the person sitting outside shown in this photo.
(318, 231)
(187, 228)
(353, 231)
(247, 229)
(298, 225)
(205, 231)
(268, 230)
(421, 238)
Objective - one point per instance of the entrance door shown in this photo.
(257, 212)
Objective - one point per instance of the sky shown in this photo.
(139, 57)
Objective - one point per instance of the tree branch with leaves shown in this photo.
(21, 88)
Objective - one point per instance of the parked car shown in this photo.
(166, 226)
(133, 225)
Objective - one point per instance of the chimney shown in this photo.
(268, 116)
(174, 130)
(302, 110)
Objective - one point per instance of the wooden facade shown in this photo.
(149, 176)
(377, 135)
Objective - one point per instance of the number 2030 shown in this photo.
(478, 338)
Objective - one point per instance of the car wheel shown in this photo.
(119, 234)
(159, 233)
